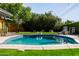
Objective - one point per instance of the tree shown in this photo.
(13, 8)
(58, 26)
(40, 22)
(32, 21)
(20, 13)
(24, 15)
(68, 22)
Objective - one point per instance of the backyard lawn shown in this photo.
(64, 52)
(31, 33)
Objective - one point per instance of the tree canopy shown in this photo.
(42, 22)
(32, 21)
(68, 22)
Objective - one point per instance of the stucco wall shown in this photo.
(2, 25)
(1, 20)
(11, 27)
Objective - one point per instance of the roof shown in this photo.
(5, 13)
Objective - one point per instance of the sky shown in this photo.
(66, 11)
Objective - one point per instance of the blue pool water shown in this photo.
(40, 40)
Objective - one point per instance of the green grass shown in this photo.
(31, 33)
(50, 32)
(64, 52)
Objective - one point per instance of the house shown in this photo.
(4, 17)
(72, 28)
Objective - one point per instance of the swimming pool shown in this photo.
(40, 40)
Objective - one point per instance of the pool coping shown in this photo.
(38, 47)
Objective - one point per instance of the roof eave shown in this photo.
(5, 13)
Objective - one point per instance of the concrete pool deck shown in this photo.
(38, 47)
